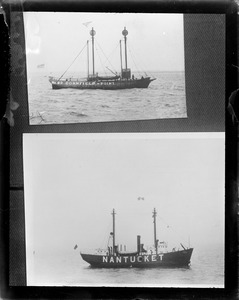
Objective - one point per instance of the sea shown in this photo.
(66, 268)
(164, 98)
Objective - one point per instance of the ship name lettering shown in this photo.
(118, 259)
(161, 256)
(105, 259)
(139, 258)
(132, 259)
(154, 258)
(125, 259)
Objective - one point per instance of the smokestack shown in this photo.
(142, 248)
(138, 243)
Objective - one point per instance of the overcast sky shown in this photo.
(73, 181)
(156, 41)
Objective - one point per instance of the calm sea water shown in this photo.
(68, 269)
(165, 98)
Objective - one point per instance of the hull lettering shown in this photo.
(139, 259)
(126, 259)
(118, 259)
(154, 258)
(105, 259)
(161, 256)
(132, 259)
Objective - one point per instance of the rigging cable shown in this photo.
(172, 229)
(141, 69)
(112, 52)
(137, 70)
(72, 63)
(106, 237)
(100, 59)
(106, 56)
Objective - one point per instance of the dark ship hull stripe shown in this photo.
(169, 259)
(108, 85)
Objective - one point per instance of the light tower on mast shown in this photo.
(126, 73)
(93, 33)
(125, 33)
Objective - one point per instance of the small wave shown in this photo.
(81, 114)
(179, 88)
(168, 93)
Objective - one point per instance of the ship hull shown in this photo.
(174, 259)
(102, 85)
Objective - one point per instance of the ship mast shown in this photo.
(88, 69)
(155, 235)
(113, 214)
(121, 57)
(125, 33)
(92, 33)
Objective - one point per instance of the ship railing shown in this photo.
(65, 80)
(98, 251)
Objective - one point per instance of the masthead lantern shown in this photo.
(92, 32)
(125, 32)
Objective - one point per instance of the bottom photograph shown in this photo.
(125, 210)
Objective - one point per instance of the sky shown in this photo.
(155, 41)
(73, 181)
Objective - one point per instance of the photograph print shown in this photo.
(125, 210)
(104, 67)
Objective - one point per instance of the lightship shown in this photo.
(158, 257)
(124, 80)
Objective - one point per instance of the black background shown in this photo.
(210, 29)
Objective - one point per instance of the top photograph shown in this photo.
(104, 67)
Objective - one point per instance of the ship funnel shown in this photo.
(142, 248)
(138, 243)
